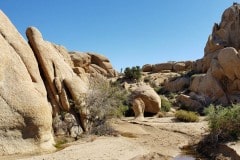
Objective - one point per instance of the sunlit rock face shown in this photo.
(26, 116)
(221, 60)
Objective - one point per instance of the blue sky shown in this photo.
(128, 32)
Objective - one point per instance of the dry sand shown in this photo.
(154, 137)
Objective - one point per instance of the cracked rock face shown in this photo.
(25, 117)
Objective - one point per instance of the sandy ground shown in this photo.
(151, 139)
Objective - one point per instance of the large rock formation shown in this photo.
(60, 80)
(221, 61)
(40, 91)
(25, 117)
(59, 76)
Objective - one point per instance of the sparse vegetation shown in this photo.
(59, 144)
(133, 73)
(224, 122)
(103, 101)
(165, 104)
(186, 116)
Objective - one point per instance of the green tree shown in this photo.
(133, 73)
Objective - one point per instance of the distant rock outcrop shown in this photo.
(25, 117)
(92, 63)
(216, 77)
(170, 67)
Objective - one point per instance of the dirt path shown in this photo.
(154, 137)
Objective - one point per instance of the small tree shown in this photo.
(133, 73)
(103, 101)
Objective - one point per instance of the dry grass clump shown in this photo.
(186, 116)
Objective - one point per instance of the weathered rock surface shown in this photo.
(170, 66)
(104, 63)
(60, 80)
(162, 66)
(150, 98)
(67, 124)
(178, 84)
(147, 68)
(59, 76)
(138, 107)
(25, 117)
(188, 103)
(221, 61)
(92, 63)
(82, 60)
(225, 34)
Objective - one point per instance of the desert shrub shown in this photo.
(186, 116)
(224, 122)
(133, 73)
(102, 128)
(147, 79)
(165, 104)
(103, 101)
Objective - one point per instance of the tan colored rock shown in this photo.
(147, 68)
(82, 60)
(211, 46)
(25, 117)
(104, 63)
(78, 70)
(162, 66)
(225, 34)
(64, 54)
(53, 65)
(229, 61)
(189, 103)
(98, 69)
(207, 85)
(177, 85)
(61, 81)
(150, 98)
(138, 107)
(179, 66)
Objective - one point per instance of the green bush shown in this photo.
(165, 104)
(133, 73)
(121, 110)
(186, 116)
(224, 122)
